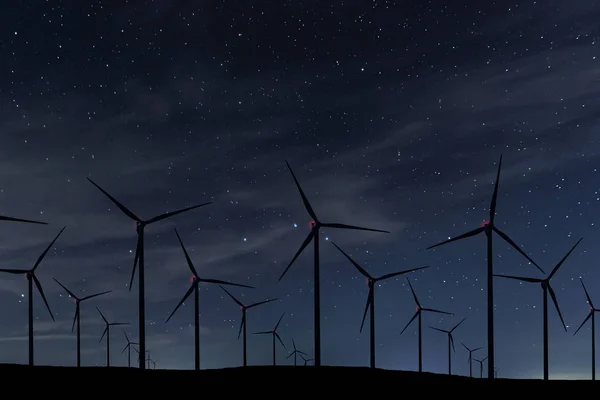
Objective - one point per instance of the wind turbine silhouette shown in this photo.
(450, 342)
(77, 317)
(591, 315)
(194, 287)
(107, 334)
(243, 323)
(296, 353)
(128, 348)
(418, 314)
(480, 366)
(140, 226)
(370, 306)
(471, 358)
(275, 335)
(488, 227)
(545, 283)
(31, 279)
(313, 235)
(306, 360)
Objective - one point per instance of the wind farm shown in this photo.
(351, 166)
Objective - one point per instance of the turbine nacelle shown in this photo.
(369, 282)
(418, 309)
(544, 284)
(485, 223)
(312, 224)
(29, 275)
(192, 278)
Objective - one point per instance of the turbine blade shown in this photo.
(241, 325)
(263, 333)
(589, 299)
(66, 290)
(508, 240)
(409, 322)
(219, 282)
(280, 341)
(356, 265)
(584, 321)
(294, 344)
(553, 295)
(302, 353)
(478, 348)
(457, 325)
(310, 236)
(369, 300)
(352, 227)
(14, 271)
(125, 210)
(126, 337)
(463, 236)
(291, 354)
(138, 250)
(29, 221)
(103, 333)
(239, 303)
(260, 303)
(39, 288)
(413, 293)
(440, 330)
(119, 323)
(278, 322)
(495, 195)
(183, 299)
(41, 257)
(393, 274)
(520, 278)
(187, 256)
(102, 315)
(96, 295)
(465, 346)
(125, 348)
(307, 205)
(452, 342)
(436, 311)
(75, 317)
(560, 263)
(174, 213)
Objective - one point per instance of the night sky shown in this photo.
(392, 114)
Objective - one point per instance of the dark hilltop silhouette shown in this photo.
(295, 371)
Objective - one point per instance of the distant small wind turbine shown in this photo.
(296, 353)
(243, 323)
(480, 366)
(128, 347)
(450, 342)
(274, 334)
(306, 360)
(77, 317)
(471, 357)
(107, 334)
(418, 314)
(591, 315)
(370, 306)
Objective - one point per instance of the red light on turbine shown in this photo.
(275, 332)
(484, 223)
(311, 224)
(241, 308)
(75, 301)
(418, 308)
(368, 281)
(192, 278)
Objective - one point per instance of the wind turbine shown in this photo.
(545, 283)
(128, 348)
(480, 366)
(418, 314)
(274, 334)
(243, 324)
(107, 333)
(77, 317)
(591, 315)
(194, 287)
(370, 306)
(450, 342)
(471, 358)
(488, 227)
(140, 226)
(31, 279)
(296, 353)
(495, 373)
(153, 363)
(306, 360)
(315, 226)
(140, 356)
